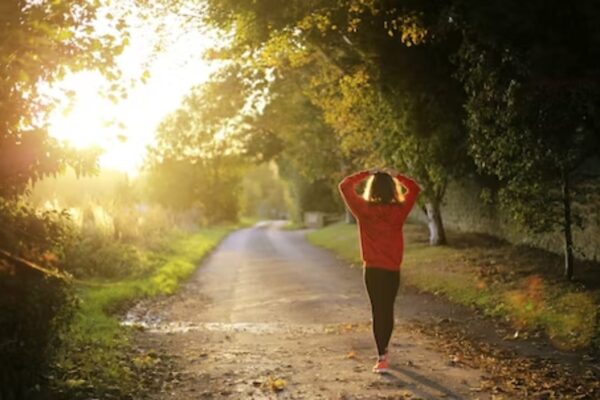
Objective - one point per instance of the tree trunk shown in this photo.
(566, 197)
(437, 234)
(349, 218)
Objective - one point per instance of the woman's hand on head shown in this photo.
(391, 171)
(373, 171)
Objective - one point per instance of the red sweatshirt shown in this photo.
(380, 225)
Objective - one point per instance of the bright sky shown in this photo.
(172, 74)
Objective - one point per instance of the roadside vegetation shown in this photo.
(97, 357)
(80, 251)
(300, 96)
(521, 285)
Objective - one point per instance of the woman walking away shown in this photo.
(380, 214)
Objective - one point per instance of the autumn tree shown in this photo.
(381, 73)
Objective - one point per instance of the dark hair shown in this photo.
(381, 188)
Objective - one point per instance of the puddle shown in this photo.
(149, 320)
(157, 324)
(137, 317)
(259, 328)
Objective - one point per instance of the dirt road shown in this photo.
(268, 315)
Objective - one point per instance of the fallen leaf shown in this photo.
(276, 384)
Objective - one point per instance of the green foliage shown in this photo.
(379, 74)
(108, 205)
(102, 257)
(67, 190)
(34, 305)
(532, 113)
(309, 194)
(195, 162)
(31, 234)
(42, 42)
(34, 310)
(291, 131)
(307, 144)
(532, 106)
(264, 193)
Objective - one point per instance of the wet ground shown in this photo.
(267, 315)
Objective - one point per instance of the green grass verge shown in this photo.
(502, 280)
(95, 357)
(293, 225)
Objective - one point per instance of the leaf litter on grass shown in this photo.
(511, 375)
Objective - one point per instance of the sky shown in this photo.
(86, 122)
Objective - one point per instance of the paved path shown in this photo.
(268, 315)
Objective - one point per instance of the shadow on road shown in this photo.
(422, 380)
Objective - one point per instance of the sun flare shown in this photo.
(124, 129)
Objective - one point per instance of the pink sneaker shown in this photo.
(383, 365)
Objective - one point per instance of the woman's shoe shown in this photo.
(383, 365)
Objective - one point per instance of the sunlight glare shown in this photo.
(125, 129)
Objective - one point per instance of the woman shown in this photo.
(381, 214)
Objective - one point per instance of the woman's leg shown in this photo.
(382, 287)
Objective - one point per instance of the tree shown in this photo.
(40, 43)
(381, 73)
(264, 193)
(196, 160)
(531, 74)
(291, 131)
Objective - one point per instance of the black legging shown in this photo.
(382, 286)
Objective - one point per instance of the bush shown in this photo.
(34, 306)
(100, 256)
(34, 309)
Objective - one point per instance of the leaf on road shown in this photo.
(276, 384)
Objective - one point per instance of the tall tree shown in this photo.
(531, 74)
(380, 72)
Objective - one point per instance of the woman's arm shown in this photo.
(347, 188)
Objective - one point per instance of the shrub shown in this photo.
(34, 309)
(34, 305)
(100, 256)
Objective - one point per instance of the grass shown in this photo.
(519, 284)
(293, 225)
(96, 355)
